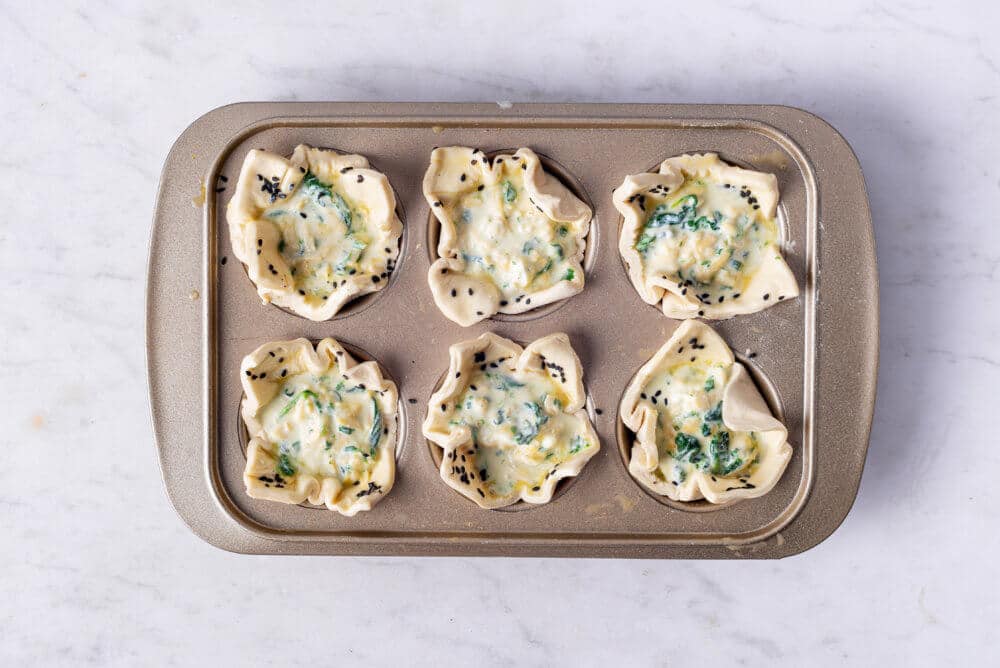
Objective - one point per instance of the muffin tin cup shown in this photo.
(815, 356)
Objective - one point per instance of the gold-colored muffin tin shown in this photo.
(814, 357)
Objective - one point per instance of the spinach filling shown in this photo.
(682, 213)
(527, 428)
(717, 458)
(322, 193)
(509, 192)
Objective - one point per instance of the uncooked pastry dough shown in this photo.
(701, 236)
(322, 426)
(702, 429)
(511, 421)
(315, 231)
(512, 236)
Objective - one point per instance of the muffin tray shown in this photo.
(814, 357)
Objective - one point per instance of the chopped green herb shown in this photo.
(285, 465)
(715, 414)
(548, 265)
(291, 404)
(528, 428)
(509, 192)
(569, 275)
(344, 429)
(645, 241)
(376, 433)
(577, 444)
(503, 382)
(710, 384)
(686, 445)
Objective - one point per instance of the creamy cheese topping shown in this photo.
(690, 434)
(709, 237)
(520, 432)
(504, 237)
(326, 426)
(323, 237)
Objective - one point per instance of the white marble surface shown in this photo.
(96, 568)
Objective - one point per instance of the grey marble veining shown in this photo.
(98, 569)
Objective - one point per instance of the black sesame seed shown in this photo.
(454, 292)
(767, 295)
(470, 292)
(302, 213)
(503, 302)
(701, 313)
(360, 178)
(412, 401)
(480, 187)
(223, 261)
(462, 177)
(437, 203)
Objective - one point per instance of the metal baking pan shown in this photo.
(814, 358)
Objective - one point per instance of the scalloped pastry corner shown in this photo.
(701, 236)
(322, 426)
(512, 236)
(511, 421)
(315, 230)
(702, 429)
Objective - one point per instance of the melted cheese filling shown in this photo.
(706, 236)
(690, 434)
(519, 430)
(323, 237)
(325, 426)
(505, 238)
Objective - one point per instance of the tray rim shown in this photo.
(461, 114)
